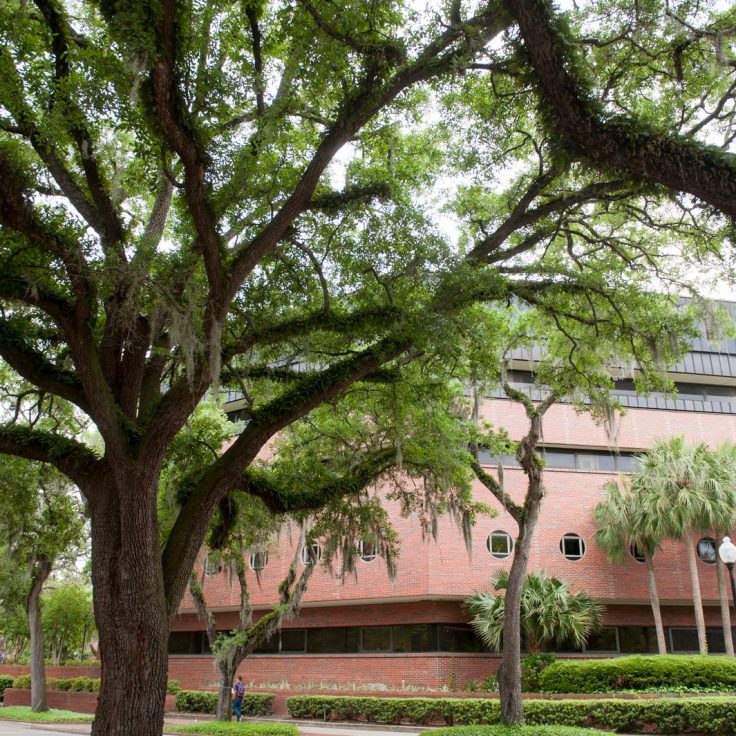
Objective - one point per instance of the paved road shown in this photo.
(13, 728)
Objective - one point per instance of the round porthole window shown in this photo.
(311, 553)
(636, 553)
(707, 550)
(499, 544)
(572, 547)
(258, 560)
(367, 550)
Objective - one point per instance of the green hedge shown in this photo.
(5, 681)
(78, 684)
(205, 701)
(499, 730)
(665, 715)
(659, 672)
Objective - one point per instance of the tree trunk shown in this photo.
(509, 672)
(697, 600)
(225, 694)
(725, 606)
(39, 699)
(654, 600)
(131, 611)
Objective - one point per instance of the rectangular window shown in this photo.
(459, 638)
(377, 639)
(270, 646)
(414, 638)
(293, 640)
(637, 639)
(326, 641)
(684, 640)
(628, 463)
(183, 642)
(559, 458)
(603, 641)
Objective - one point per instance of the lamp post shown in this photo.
(727, 552)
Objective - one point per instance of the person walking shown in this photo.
(238, 693)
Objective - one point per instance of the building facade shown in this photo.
(371, 632)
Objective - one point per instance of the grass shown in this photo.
(24, 713)
(499, 730)
(231, 727)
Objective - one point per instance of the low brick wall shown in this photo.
(68, 700)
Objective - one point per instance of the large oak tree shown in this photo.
(175, 218)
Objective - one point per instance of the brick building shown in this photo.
(369, 631)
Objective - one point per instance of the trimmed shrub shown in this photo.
(173, 687)
(5, 681)
(205, 701)
(657, 672)
(77, 684)
(665, 715)
(196, 701)
(532, 667)
(511, 731)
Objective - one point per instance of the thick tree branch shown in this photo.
(446, 53)
(173, 117)
(33, 366)
(72, 458)
(496, 489)
(60, 33)
(228, 472)
(628, 145)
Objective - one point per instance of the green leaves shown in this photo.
(549, 613)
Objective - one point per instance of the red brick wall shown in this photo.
(442, 569)
(434, 576)
(67, 700)
(348, 670)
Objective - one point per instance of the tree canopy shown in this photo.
(330, 208)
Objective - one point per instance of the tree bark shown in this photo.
(654, 601)
(509, 672)
(725, 606)
(225, 693)
(697, 600)
(39, 699)
(130, 609)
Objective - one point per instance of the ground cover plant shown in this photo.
(24, 713)
(246, 729)
(641, 673)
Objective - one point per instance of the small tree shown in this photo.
(680, 496)
(67, 619)
(40, 523)
(550, 613)
(620, 523)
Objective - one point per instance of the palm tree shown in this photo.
(621, 525)
(722, 488)
(680, 498)
(549, 612)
